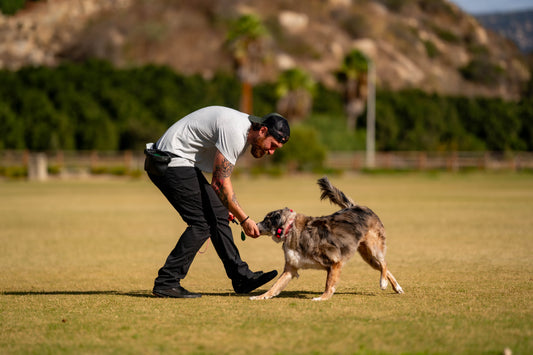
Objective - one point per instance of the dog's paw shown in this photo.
(260, 297)
(320, 299)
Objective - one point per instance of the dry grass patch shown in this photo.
(78, 260)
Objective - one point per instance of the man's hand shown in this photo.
(250, 228)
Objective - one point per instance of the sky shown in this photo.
(490, 6)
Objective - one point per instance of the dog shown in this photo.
(327, 242)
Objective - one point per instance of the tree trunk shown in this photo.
(246, 97)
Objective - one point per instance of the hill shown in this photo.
(517, 26)
(426, 44)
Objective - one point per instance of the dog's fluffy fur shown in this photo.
(327, 242)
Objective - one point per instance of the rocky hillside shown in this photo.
(426, 44)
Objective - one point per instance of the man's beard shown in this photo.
(257, 152)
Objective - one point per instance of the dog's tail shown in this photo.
(335, 195)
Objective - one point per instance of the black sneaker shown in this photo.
(175, 292)
(248, 285)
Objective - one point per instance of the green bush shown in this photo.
(431, 49)
(480, 70)
(10, 7)
(11, 128)
(303, 151)
(395, 5)
(446, 35)
(526, 118)
(14, 172)
(333, 134)
(94, 106)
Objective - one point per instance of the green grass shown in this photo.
(78, 259)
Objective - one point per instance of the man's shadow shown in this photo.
(148, 293)
(141, 293)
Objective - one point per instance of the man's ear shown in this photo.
(263, 131)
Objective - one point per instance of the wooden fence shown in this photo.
(39, 166)
(452, 161)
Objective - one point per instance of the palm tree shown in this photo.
(246, 39)
(354, 77)
(295, 89)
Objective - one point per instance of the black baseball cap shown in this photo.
(277, 125)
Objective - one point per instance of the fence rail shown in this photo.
(75, 163)
(434, 160)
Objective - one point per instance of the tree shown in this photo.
(305, 153)
(353, 74)
(11, 129)
(295, 89)
(10, 7)
(247, 41)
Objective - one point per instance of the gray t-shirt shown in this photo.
(196, 137)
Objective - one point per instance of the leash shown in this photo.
(206, 245)
(232, 218)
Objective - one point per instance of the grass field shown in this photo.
(78, 259)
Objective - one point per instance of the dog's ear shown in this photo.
(276, 218)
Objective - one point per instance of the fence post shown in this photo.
(37, 167)
(453, 162)
(513, 164)
(486, 161)
(388, 158)
(60, 162)
(94, 160)
(25, 157)
(60, 158)
(422, 161)
(128, 160)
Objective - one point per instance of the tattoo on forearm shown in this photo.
(224, 169)
(222, 196)
(221, 172)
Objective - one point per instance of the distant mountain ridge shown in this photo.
(516, 25)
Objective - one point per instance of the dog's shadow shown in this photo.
(148, 294)
(291, 294)
(311, 294)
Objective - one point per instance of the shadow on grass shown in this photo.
(142, 293)
(148, 293)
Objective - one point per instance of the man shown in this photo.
(211, 140)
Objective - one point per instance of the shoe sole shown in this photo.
(161, 295)
(267, 278)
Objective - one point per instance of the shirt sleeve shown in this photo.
(231, 141)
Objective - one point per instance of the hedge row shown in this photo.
(95, 106)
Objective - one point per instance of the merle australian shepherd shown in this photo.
(327, 242)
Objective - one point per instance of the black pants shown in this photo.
(197, 203)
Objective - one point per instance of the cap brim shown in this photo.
(256, 119)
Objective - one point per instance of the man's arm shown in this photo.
(221, 183)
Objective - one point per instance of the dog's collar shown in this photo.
(282, 232)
